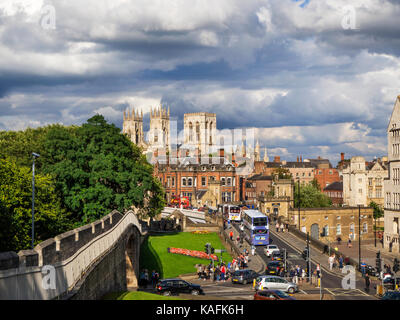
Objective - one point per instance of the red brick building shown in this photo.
(190, 177)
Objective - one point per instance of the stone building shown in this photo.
(327, 224)
(133, 127)
(363, 182)
(200, 131)
(159, 134)
(392, 182)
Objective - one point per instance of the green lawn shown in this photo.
(137, 295)
(154, 254)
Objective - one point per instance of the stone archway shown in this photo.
(132, 260)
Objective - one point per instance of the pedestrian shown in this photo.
(277, 226)
(199, 270)
(367, 283)
(339, 239)
(303, 274)
(331, 260)
(340, 262)
(146, 277)
(217, 273)
(282, 227)
(349, 243)
(291, 274)
(363, 268)
(238, 239)
(223, 272)
(296, 277)
(153, 278)
(253, 250)
(287, 227)
(231, 235)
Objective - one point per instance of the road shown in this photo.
(331, 283)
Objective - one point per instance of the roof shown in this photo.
(316, 162)
(337, 185)
(254, 213)
(260, 177)
(289, 164)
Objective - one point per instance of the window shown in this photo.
(190, 182)
(326, 230)
(360, 191)
(338, 229)
(229, 181)
(203, 181)
(365, 227)
(173, 181)
(183, 181)
(338, 217)
(370, 181)
(223, 181)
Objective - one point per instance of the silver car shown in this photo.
(275, 283)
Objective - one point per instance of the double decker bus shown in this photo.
(180, 201)
(258, 225)
(232, 212)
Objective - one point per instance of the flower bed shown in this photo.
(192, 253)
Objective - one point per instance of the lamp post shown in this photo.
(298, 180)
(35, 155)
(359, 236)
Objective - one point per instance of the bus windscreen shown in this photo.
(259, 222)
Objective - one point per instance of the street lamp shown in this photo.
(35, 155)
(359, 236)
(298, 180)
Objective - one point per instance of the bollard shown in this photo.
(379, 290)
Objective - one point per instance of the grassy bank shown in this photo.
(154, 254)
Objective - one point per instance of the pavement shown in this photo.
(255, 262)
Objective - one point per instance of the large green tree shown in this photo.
(310, 197)
(98, 169)
(378, 211)
(16, 207)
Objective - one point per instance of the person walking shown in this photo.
(253, 250)
(223, 272)
(282, 227)
(277, 226)
(367, 283)
(331, 260)
(340, 262)
(349, 243)
(296, 277)
(363, 268)
(231, 235)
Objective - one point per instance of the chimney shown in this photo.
(277, 159)
(233, 158)
(297, 158)
(301, 158)
(342, 156)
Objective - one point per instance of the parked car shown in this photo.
(244, 276)
(391, 295)
(269, 249)
(275, 283)
(273, 267)
(169, 287)
(272, 295)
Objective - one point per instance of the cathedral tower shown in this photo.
(133, 126)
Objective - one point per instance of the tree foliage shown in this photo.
(83, 173)
(16, 207)
(378, 211)
(310, 197)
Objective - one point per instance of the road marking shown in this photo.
(302, 291)
(330, 291)
(346, 292)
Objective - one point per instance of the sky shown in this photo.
(315, 77)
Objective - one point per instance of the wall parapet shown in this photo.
(70, 253)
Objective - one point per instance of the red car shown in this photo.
(272, 295)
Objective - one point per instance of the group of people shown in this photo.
(297, 274)
(216, 273)
(281, 226)
(145, 279)
(336, 262)
(221, 272)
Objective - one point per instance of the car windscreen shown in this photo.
(237, 273)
